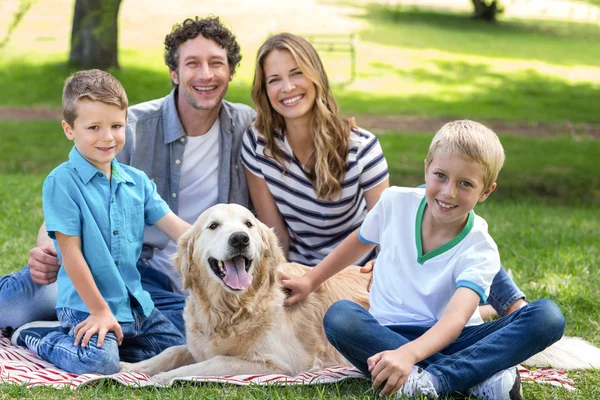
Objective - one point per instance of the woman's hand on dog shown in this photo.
(100, 323)
(390, 368)
(298, 287)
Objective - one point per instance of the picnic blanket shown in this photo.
(20, 366)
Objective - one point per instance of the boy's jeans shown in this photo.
(143, 338)
(23, 301)
(478, 353)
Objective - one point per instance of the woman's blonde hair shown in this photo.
(330, 133)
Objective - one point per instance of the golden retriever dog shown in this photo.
(235, 319)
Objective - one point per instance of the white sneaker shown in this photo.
(417, 384)
(503, 385)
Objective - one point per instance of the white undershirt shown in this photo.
(198, 190)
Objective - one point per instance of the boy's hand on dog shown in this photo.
(390, 368)
(43, 264)
(100, 323)
(298, 288)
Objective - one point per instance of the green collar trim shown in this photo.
(421, 258)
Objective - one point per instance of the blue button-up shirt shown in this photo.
(109, 216)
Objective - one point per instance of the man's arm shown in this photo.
(172, 226)
(101, 320)
(343, 255)
(394, 366)
(43, 260)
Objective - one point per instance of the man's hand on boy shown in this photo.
(100, 323)
(298, 287)
(391, 367)
(43, 264)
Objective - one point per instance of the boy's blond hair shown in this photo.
(473, 141)
(92, 84)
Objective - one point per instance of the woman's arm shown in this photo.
(266, 209)
(373, 194)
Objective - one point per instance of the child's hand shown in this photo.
(368, 269)
(100, 323)
(299, 287)
(391, 367)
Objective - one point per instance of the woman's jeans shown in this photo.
(478, 353)
(143, 338)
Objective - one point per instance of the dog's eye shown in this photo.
(213, 226)
(249, 224)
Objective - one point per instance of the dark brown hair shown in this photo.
(210, 28)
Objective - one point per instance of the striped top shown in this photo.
(317, 226)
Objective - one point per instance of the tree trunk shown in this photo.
(485, 11)
(94, 35)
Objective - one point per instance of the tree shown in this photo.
(94, 35)
(486, 10)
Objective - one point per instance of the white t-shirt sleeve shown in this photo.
(250, 152)
(479, 265)
(372, 227)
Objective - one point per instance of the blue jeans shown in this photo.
(23, 301)
(478, 353)
(143, 338)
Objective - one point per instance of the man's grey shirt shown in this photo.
(155, 141)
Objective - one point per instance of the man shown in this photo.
(188, 143)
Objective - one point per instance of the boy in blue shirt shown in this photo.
(423, 335)
(95, 210)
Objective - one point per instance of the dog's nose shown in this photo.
(239, 240)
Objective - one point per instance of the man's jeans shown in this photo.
(478, 353)
(23, 301)
(143, 338)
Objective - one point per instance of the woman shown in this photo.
(312, 175)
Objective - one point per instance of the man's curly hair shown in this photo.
(211, 28)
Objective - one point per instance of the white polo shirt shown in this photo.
(412, 288)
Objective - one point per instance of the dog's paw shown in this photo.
(142, 367)
(127, 367)
(163, 379)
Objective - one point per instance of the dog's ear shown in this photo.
(183, 258)
(271, 246)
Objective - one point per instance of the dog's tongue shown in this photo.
(237, 278)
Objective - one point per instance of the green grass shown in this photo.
(543, 217)
(408, 62)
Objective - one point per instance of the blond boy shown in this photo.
(423, 335)
(95, 210)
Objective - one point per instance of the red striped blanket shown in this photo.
(20, 366)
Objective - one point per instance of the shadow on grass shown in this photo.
(554, 42)
(474, 90)
(462, 90)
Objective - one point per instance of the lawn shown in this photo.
(408, 62)
(543, 217)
